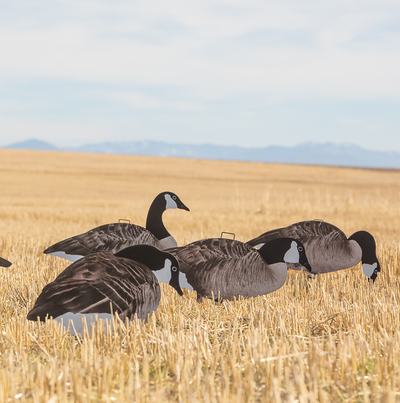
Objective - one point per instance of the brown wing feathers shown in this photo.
(303, 231)
(109, 237)
(95, 284)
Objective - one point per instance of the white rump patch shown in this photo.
(74, 320)
(368, 269)
(63, 255)
(170, 203)
(164, 275)
(183, 281)
(260, 245)
(292, 255)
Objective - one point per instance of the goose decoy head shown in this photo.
(170, 271)
(4, 262)
(164, 265)
(287, 250)
(369, 261)
(170, 200)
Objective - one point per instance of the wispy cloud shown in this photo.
(214, 47)
(140, 100)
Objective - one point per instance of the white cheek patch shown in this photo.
(292, 255)
(368, 269)
(260, 245)
(183, 281)
(73, 321)
(164, 275)
(170, 203)
(63, 255)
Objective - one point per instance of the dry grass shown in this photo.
(333, 339)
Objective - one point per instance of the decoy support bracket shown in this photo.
(229, 233)
(124, 220)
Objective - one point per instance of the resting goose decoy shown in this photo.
(225, 268)
(327, 247)
(117, 236)
(104, 283)
(4, 262)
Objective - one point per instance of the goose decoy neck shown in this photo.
(148, 255)
(369, 260)
(162, 202)
(366, 242)
(285, 250)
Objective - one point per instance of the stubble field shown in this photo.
(332, 339)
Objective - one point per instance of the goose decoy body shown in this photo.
(103, 283)
(327, 247)
(224, 268)
(4, 262)
(117, 236)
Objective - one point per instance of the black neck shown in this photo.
(367, 245)
(154, 221)
(145, 254)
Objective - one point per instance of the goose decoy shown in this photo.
(4, 262)
(225, 268)
(327, 247)
(103, 283)
(117, 236)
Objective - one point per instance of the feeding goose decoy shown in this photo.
(4, 262)
(327, 247)
(117, 236)
(104, 283)
(225, 268)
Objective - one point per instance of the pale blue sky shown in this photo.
(241, 72)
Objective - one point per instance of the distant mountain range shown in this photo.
(305, 153)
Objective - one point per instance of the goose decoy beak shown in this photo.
(307, 266)
(177, 288)
(183, 207)
(174, 282)
(4, 262)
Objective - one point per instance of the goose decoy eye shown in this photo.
(173, 197)
(300, 249)
(173, 268)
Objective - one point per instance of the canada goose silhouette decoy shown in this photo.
(327, 247)
(225, 268)
(103, 283)
(4, 262)
(117, 236)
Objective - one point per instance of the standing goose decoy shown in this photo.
(4, 262)
(226, 268)
(117, 236)
(328, 248)
(103, 283)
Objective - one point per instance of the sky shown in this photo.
(238, 72)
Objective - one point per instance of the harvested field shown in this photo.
(332, 339)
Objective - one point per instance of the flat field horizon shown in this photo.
(334, 338)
